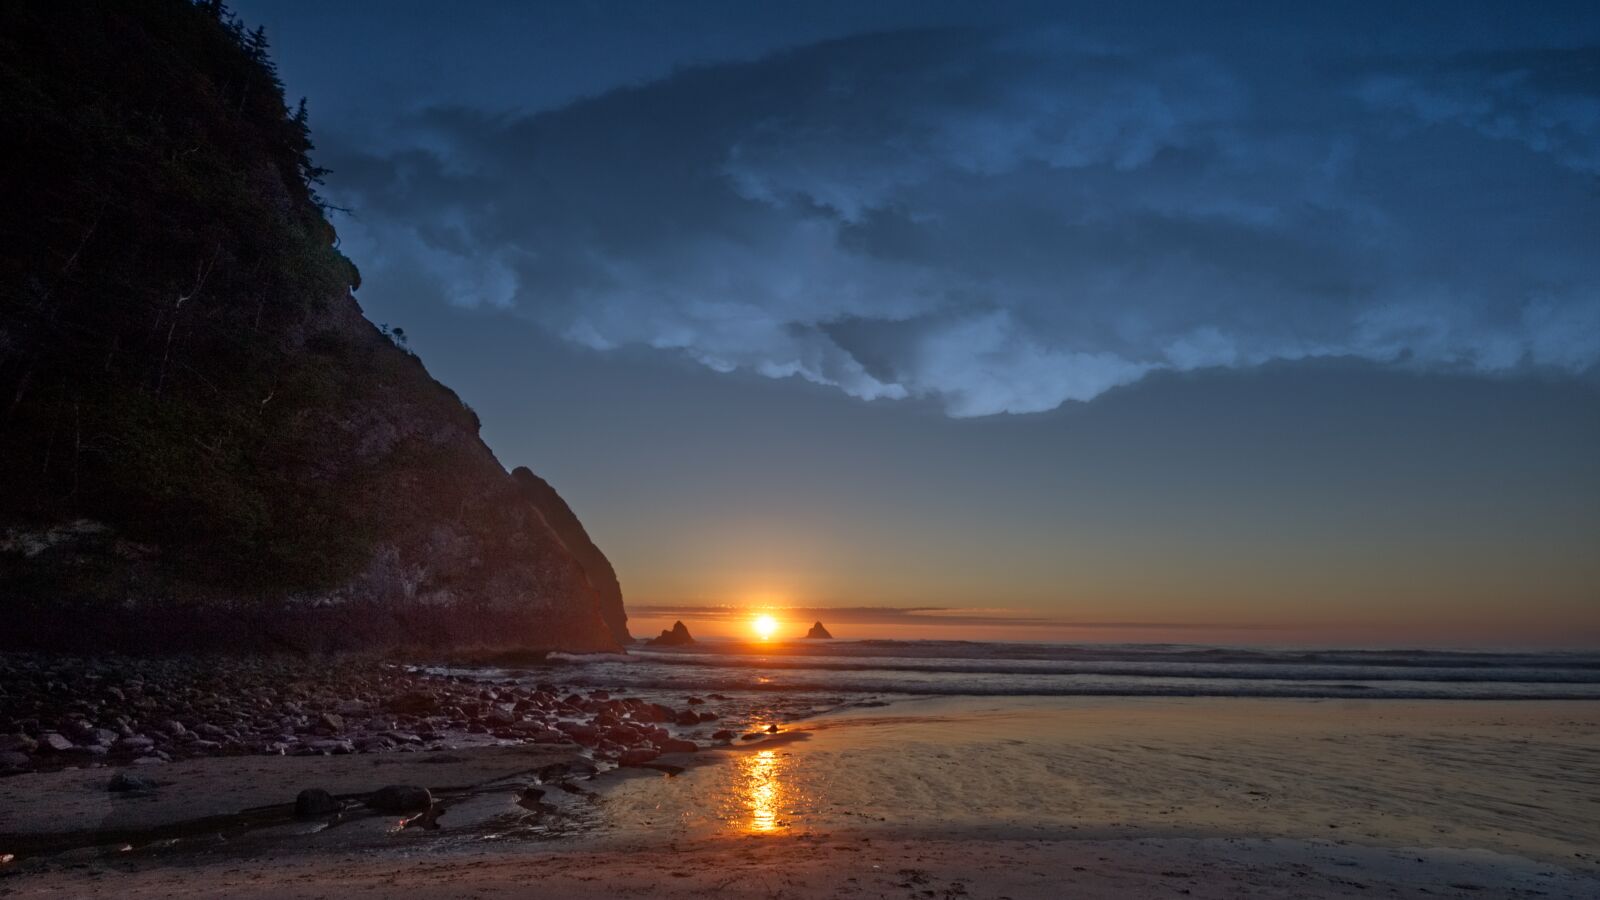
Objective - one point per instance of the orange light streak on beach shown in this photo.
(763, 790)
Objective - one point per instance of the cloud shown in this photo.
(1005, 223)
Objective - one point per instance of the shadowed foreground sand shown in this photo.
(766, 867)
(1019, 797)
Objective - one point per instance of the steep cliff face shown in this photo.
(202, 441)
(560, 517)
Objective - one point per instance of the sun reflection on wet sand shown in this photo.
(763, 789)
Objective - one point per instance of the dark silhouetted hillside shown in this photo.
(201, 438)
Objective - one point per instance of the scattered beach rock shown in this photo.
(127, 782)
(314, 802)
(400, 798)
(637, 756)
(54, 742)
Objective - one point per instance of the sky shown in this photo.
(1250, 323)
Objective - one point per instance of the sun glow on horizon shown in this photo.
(764, 626)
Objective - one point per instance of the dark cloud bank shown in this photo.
(1007, 220)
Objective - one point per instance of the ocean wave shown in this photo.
(1132, 668)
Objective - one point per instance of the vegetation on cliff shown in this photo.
(191, 405)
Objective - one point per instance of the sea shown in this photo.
(851, 671)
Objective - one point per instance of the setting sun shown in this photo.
(765, 626)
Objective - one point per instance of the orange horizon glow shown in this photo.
(763, 625)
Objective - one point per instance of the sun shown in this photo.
(764, 626)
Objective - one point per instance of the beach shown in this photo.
(977, 796)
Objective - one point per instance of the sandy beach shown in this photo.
(1017, 797)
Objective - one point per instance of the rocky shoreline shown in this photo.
(60, 712)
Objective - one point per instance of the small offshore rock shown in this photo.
(400, 798)
(313, 802)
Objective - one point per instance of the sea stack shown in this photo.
(677, 636)
(818, 632)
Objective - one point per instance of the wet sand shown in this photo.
(1013, 797)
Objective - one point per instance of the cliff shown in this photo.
(203, 443)
(564, 521)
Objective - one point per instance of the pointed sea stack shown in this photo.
(818, 632)
(677, 636)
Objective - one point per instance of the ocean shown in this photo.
(851, 671)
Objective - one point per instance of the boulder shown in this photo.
(314, 802)
(400, 798)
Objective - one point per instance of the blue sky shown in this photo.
(1248, 314)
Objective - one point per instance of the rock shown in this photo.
(400, 798)
(818, 632)
(19, 743)
(55, 742)
(638, 756)
(332, 747)
(687, 717)
(313, 802)
(566, 769)
(723, 735)
(675, 745)
(677, 636)
(413, 703)
(772, 729)
(136, 744)
(14, 759)
(331, 721)
(124, 782)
